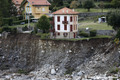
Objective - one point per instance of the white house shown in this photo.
(65, 23)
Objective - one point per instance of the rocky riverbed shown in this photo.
(27, 57)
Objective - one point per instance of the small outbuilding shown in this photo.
(102, 19)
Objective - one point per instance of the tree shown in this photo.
(12, 8)
(74, 4)
(43, 24)
(88, 4)
(113, 19)
(116, 3)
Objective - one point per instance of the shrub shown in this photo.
(7, 21)
(118, 34)
(43, 35)
(6, 28)
(13, 30)
(93, 33)
(20, 71)
(83, 34)
(0, 30)
(69, 70)
(25, 28)
(20, 21)
(114, 71)
(108, 6)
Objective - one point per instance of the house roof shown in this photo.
(39, 2)
(65, 11)
(17, 1)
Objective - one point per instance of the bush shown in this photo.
(25, 28)
(108, 6)
(6, 28)
(0, 30)
(118, 34)
(20, 21)
(93, 33)
(43, 35)
(83, 34)
(114, 71)
(7, 21)
(11, 30)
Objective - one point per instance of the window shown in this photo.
(43, 9)
(71, 28)
(65, 18)
(58, 18)
(71, 19)
(65, 27)
(76, 18)
(58, 27)
(16, 2)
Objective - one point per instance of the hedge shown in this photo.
(93, 33)
(83, 34)
(20, 21)
(7, 21)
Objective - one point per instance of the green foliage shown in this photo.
(43, 24)
(93, 33)
(118, 34)
(114, 71)
(8, 29)
(69, 70)
(20, 71)
(43, 35)
(25, 28)
(0, 30)
(88, 4)
(74, 4)
(7, 21)
(20, 21)
(113, 19)
(83, 34)
(116, 3)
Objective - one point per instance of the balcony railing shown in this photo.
(65, 22)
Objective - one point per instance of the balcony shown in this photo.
(65, 22)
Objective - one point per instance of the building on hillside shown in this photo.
(17, 4)
(36, 8)
(65, 23)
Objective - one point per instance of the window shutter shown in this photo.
(65, 27)
(71, 28)
(58, 27)
(71, 19)
(58, 18)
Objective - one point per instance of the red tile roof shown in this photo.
(17, 1)
(39, 2)
(65, 11)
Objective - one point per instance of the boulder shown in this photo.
(53, 72)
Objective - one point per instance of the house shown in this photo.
(65, 23)
(17, 4)
(36, 8)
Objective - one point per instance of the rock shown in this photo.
(53, 72)
(81, 73)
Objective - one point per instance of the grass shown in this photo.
(86, 38)
(82, 10)
(94, 25)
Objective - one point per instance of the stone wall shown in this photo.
(91, 14)
(28, 52)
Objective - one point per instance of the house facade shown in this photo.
(65, 23)
(36, 8)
